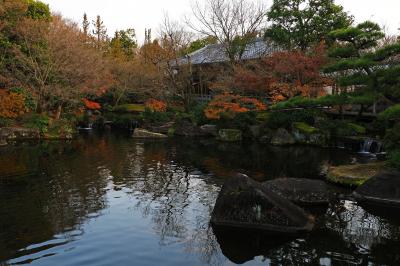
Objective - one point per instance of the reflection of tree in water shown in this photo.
(54, 194)
(178, 201)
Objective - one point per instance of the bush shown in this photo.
(30, 102)
(392, 113)
(286, 119)
(149, 116)
(342, 128)
(392, 138)
(394, 159)
(37, 121)
(12, 104)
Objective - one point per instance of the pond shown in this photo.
(106, 199)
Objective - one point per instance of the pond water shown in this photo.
(111, 200)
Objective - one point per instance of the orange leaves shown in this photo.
(91, 105)
(12, 104)
(229, 105)
(156, 105)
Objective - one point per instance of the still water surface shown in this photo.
(110, 200)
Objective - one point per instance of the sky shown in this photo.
(141, 14)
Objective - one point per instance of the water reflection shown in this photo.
(104, 200)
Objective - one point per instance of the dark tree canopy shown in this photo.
(303, 23)
(358, 60)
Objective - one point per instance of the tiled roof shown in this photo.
(216, 53)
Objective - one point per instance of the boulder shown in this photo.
(255, 131)
(355, 174)
(282, 137)
(306, 134)
(301, 191)
(16, 133)
(140, 133)
(246, 204)
(383, 188)
(3, 142)
(163, 129)
(230, 135)
(210, 130)
(186, 128)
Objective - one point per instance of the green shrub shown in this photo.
(37, 121)
(392, 138)
(149, 116)
(30, 102)
(394, 159)
(5, 122)
(286, 119)
(392, 113)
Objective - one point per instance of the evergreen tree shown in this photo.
(359, 61)
(85, 24)
(304, 23)
(100, 32)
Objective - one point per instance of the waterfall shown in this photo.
(371, 146)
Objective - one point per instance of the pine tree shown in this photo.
(100, 32)
(85, 24)
(359, 61)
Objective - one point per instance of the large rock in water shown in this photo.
(305, 192)
(282, 137)
(145, 134)
(382, 189)
(230, 135)
(246, 204)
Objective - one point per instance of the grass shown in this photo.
(129, 108)
(305, 128)
(354, 175)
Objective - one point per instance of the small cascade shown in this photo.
(88, 127)
(371, 146)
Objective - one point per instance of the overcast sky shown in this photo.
(141, 14)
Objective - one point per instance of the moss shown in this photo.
(354, 175)
(305, 128)
(360, 130)
(262, 116)
(230, 135)
(171, 132)
(392, 113)
(129, 108)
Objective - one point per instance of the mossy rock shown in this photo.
(305, 128)
(354, 175)
(230, 135)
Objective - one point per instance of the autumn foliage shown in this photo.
(283, 75)
(12, 104)
(229, 105)
(91, 105)
(156, 105)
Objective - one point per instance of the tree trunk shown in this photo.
(58, 113)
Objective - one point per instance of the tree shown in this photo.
(85, 24)
(304, 23)
(233, 23)
(200, 43)
(125, 42)
(100, 32)
(359, 60)
(57, 64)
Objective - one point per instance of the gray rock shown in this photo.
(255, 131)
(300, 190)
(383, 188)
(15, 133)
(210, 130)
(3, 142)
(246, 204)
(282, 137)
(140, 133)
(230, 135)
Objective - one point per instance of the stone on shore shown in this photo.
(20, 133)
(140, 133)
(282, 137)
(230, 135)
(246, 204)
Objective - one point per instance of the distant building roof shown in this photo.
(216, 53)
